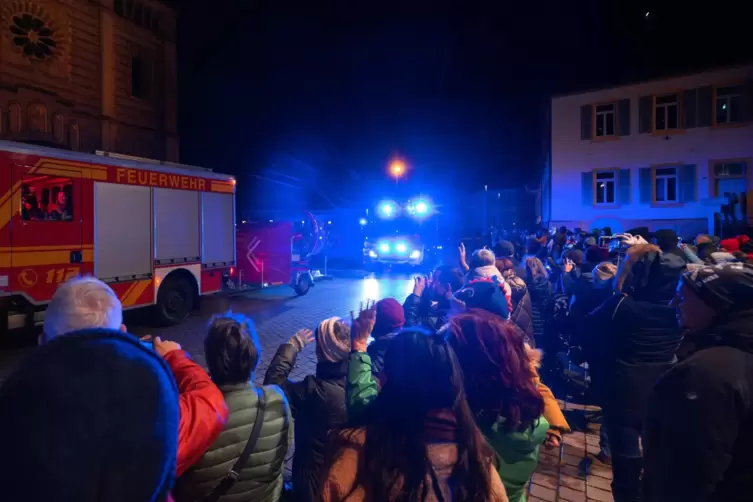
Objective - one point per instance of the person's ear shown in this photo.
(123, 328)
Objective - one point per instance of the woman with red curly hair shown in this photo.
(501, 386)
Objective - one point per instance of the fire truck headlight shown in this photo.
(421, 208)
(387, 209)
(400, 247)
(372, 254)
(415, 254)
(384, 247)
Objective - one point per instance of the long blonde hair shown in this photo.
(536, 269)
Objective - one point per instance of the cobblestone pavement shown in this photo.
(278, 313)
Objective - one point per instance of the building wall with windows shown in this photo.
(89, 75)
(661, 154)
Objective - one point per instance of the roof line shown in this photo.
(659, 79)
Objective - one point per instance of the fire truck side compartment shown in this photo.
(218, 229)
(122, 231)
(176, 226)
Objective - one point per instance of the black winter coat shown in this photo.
(318, 406)
(699, 430)
(540, 291)
(629, 345)
(419, 311)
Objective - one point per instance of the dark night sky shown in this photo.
(459, 88)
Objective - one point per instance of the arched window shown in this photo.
(14, 118)
(58, 127)
(37, 117)
(74, 137)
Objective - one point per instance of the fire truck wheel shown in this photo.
(174, 300)
(304, 284)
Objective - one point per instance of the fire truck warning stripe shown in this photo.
(69, 163)
(7, 202)
(133, 293)
(69, 247)
(219, 186)
(41, 258)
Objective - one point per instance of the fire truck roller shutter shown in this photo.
(217, 229)
(122, 232)
(177, 226)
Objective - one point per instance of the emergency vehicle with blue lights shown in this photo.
(400, 233)
(159, 234)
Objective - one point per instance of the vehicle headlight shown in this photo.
(384, 247)
(401, 247)
(372, 254)
(415, 254)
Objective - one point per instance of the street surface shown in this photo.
(278, 314)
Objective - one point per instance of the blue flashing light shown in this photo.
(384, 247)
(362, 222)
(387, 209)
(421, 207)
(400, 247)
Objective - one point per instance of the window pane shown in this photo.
(137, 77)
(605, 175)
(672, 116)
(659, 189)
(600, 191)
(661, 123)
(666, 171)
(610, 192)
(724, 91)
(600, 125)
(669, 98)
(721, 111)
(46, 198)
(672, 189)
(605, 108)
(736, 109)
(609, 118)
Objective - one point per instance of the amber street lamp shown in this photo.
(397, 169)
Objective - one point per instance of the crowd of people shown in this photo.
(443, 396)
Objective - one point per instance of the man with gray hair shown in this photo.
(82, 303)
(86, 305)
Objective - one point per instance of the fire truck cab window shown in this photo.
(46, 198)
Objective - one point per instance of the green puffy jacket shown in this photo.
(517, 452)
(261, 478)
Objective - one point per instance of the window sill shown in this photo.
(733, 125)
(667, 204)
(668, 132)
(596, 205)
(601, 139)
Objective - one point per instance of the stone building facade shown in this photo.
(89, 75)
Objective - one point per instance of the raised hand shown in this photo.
(302, 338)
(419, 285)
(361, 326)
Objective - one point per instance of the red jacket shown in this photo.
(203, 412)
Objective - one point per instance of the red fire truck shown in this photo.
(158, 233)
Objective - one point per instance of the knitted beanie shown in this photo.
(332, 340)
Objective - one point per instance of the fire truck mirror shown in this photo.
(46, 198)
